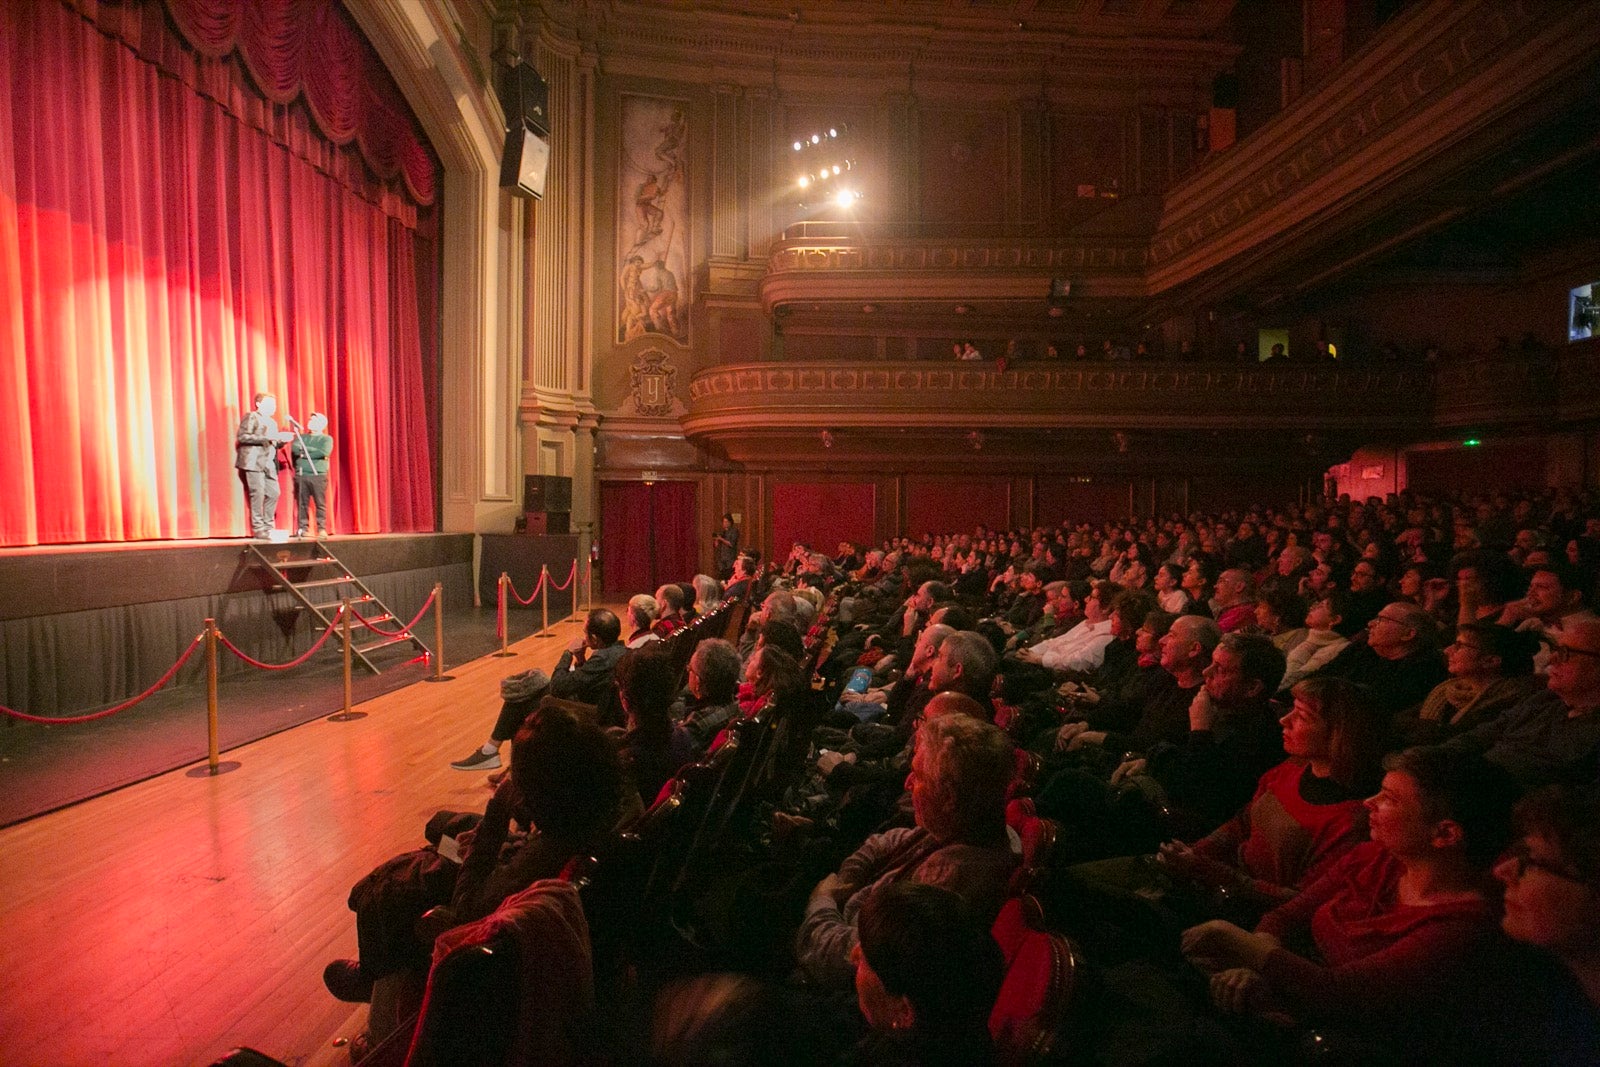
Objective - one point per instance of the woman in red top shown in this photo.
(1307, 811)
(1392, 922)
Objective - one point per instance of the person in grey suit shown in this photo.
(256, 459)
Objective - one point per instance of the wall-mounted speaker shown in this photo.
(525, 161)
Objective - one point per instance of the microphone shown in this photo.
(296, 425)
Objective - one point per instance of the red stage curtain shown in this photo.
(650, 535)
(172, 241)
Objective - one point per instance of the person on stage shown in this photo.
(256, 459)
(727, 542)
(310, 451)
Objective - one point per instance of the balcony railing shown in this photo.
(769, 396)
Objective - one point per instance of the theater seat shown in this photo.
(1041, 975)
(1038, 837)
(1030, 766)
(517, 986)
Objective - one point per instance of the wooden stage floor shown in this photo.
(175, 919)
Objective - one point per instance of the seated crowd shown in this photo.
(1315, 782)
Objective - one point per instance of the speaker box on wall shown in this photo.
(546, 492)
(525, 98)
(525, 159)
(547, 522)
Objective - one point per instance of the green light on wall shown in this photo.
(1472, 442)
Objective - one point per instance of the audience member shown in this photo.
(1491, 669)
(927, 975)
(959, 777)
(652, 746)
(583, 673)
(1393, 921)
(1554, 735)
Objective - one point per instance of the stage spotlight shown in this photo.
(836, 168)
(833, 133)
(804, 181)
(798, 146)
(816, 139)
(844, 198)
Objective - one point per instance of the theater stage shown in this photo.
(85, 627)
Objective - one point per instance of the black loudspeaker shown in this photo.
(546, 522)
(525, 98)
(525, 158)
(546, 492)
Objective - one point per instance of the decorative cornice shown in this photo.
(1443, 71)
(888, 268)
(765, 396)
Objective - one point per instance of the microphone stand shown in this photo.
(306, 450)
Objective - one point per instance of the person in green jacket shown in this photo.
(310, 451)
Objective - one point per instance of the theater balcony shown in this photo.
(1000, 268)
(1085, 415)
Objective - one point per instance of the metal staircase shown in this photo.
(311, 578)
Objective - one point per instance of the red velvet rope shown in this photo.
(531, 595)
(404, 631)
(237, 651)
(572, 577)
(163, 680)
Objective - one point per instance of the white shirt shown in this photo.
(1082, 648)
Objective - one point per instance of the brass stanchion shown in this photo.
(500, 607)
(574, 590)
(213, 766)
(349, 651)
(212, 760)
(544, 598)
(588, 582)
(438, 635)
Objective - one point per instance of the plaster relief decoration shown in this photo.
(653, 381)
(653, 220)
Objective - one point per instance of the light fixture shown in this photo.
(804, 181)
(798, 146)
(844, 198)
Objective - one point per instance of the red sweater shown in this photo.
(1383, 958)
(1282, 838)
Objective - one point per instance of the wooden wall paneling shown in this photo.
(822, 513)
(963, 155)
(938, 504)
(1080, 498)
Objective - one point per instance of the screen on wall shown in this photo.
(1583, 318)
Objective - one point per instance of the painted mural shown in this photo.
(653, 220)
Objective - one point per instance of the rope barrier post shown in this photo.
(212, 637)
(500, 607)
(212, 762)
(438, 635)
(544, 598)
(574, 588)
(588, 582)
(349, 652)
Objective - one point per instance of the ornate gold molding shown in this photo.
(765, 396)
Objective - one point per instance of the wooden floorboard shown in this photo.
(178, 918)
